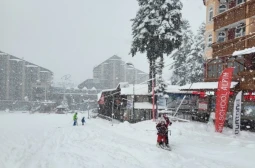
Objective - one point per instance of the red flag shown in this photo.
(101, 101)
(223, 91)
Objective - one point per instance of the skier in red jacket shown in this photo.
(162, 130)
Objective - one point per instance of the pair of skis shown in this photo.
(168, 148)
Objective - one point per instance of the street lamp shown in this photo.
(133, 98)
(65, 78)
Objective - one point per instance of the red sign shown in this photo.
(223, 92)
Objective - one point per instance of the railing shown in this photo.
(250, 8)
(228, 47)
(250, 41)
(230, 16)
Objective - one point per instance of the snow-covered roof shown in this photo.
(204, 85)
(31, 66)
(93, 88)
(166, 111)
(175, 89)
(245, 51)
(13, 59)
(44, 71)
(123, 84)
(145, 105)
(61, 106)
(139, 89)
(99, 96)
(1, 53)
(108, 90)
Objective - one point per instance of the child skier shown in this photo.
(83, 120)
(75, 119)
(162, 129)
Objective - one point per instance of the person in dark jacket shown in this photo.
(162, 129)
(83, 120)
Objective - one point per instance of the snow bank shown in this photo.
(50, 141)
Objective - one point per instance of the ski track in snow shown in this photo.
(50, 141)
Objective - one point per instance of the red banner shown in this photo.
(223, 91)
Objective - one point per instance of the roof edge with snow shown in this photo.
(204, 85)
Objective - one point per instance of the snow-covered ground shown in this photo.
(50, 141)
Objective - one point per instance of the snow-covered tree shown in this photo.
(195, 60)
(156, 29)
(161, 84)
(180, 69)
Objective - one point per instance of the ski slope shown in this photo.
(50, 141)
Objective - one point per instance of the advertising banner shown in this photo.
(237, 113)
(222, 98)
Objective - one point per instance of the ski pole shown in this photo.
(150, 130)
(154, 130)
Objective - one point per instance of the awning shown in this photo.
(204, 86)
(245, 51)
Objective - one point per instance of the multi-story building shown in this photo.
(230, 27)
(22, 80)
(230, 42)
(111, 72)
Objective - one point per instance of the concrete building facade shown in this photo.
(22, 80)
(113, 71)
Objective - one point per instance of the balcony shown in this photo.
(228, 47)
(232, 15)
(250, 42)
(247, 80)
(250, 8)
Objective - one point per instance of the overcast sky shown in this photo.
(73, 36)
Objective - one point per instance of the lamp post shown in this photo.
(88, 108)
(65, 78)
(153, 98)
(112, 108)
(133, 97)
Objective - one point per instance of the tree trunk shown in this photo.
(150, 76)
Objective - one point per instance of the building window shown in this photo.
(209, 71)
(222, 8)
(210, 14)
(209, 41)
(240, 1)
(221, 36)
(231, 33)
(215, 69)
(238, 64)
(232, 4)
(240, 30)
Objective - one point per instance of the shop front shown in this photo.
(206, 99)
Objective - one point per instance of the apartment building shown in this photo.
(22, 80)
(111, 72)
(230, 27)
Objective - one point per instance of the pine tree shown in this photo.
(180, 69)
(195, 60)
(161, 84)
(156, 30)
